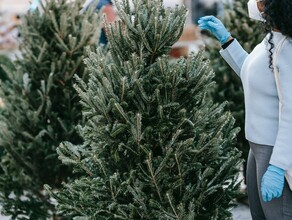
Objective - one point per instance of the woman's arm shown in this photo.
(282, 151)
(234, 55)
(232, 52)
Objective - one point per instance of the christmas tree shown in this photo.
(41, 106)
(155, 145)
(228, 85)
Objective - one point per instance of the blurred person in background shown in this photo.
(9, 32)
(107, 7)
(267, 81)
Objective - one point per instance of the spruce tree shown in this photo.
(228, 86)
(155, 145)
(41, 106)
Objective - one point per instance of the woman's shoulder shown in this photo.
(289, 42)
(287, 47)
(285, 54)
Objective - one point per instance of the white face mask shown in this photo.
(253, 10)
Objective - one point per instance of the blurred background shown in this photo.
(11, 12)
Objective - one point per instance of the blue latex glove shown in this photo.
(272, 183)
(215, 26)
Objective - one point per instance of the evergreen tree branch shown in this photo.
(172, 207)
(179, 173)
(152, 175)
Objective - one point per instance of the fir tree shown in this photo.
(41, 106)
(155, 145)
(228, 85)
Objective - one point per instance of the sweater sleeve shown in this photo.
(235, 56)
(282, 152)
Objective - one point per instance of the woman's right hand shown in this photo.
(216, 27)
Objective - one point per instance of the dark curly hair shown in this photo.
(278, 16)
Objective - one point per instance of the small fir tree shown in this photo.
(41, 106)
(228, 86)
(155, 146)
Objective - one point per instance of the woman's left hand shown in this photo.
(216, 27)
(272, 183)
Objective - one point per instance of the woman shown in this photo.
(268, 128)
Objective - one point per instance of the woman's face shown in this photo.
(260, 5)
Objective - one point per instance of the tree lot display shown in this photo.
(41, 106)
(155, 145)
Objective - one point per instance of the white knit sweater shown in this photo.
(262, 122)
